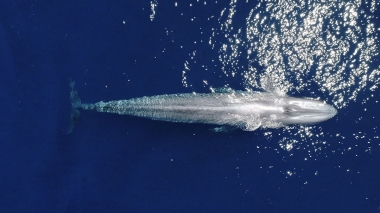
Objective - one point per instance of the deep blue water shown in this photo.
(113, 163)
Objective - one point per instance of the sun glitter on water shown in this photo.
(324, 50)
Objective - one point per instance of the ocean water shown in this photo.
(327, 50)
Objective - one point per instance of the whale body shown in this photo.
(247, 110)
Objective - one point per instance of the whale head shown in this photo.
(305, 111)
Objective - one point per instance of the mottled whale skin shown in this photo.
(243, 109)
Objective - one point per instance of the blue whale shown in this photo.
(246, 110)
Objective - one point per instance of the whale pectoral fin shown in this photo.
(251, 126)
(224, 129)
(222, 90)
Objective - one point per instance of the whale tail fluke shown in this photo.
(75, 100)
(75, 104)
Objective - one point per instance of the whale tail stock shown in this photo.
(75, 104)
